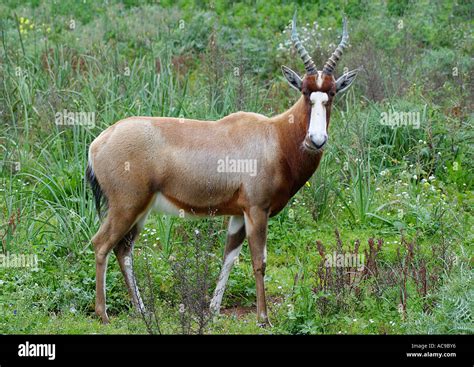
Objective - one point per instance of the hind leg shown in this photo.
(118, 223)
(123, 252)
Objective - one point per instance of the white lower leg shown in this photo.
(223, 277)
(136, 298)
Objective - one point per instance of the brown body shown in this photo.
(181, 161)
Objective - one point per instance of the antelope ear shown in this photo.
(345, 81)
(293, 79)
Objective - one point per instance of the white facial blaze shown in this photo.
(319, 79)
(317, 125)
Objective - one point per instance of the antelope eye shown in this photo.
(332, 94)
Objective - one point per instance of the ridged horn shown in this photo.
(332, 61)
(309, 65)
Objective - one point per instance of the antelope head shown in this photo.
(318, 88)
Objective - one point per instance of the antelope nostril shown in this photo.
(319, 140)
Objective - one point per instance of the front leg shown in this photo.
(256, 221)
(235, 237)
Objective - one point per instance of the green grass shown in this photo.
(375, 181)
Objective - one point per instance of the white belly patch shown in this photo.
(164, 206)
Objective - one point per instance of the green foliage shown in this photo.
(453, 312)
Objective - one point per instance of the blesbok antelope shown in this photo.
(171, 165)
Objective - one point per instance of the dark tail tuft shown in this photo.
(100, 198)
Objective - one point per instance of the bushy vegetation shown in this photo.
(400, 194)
